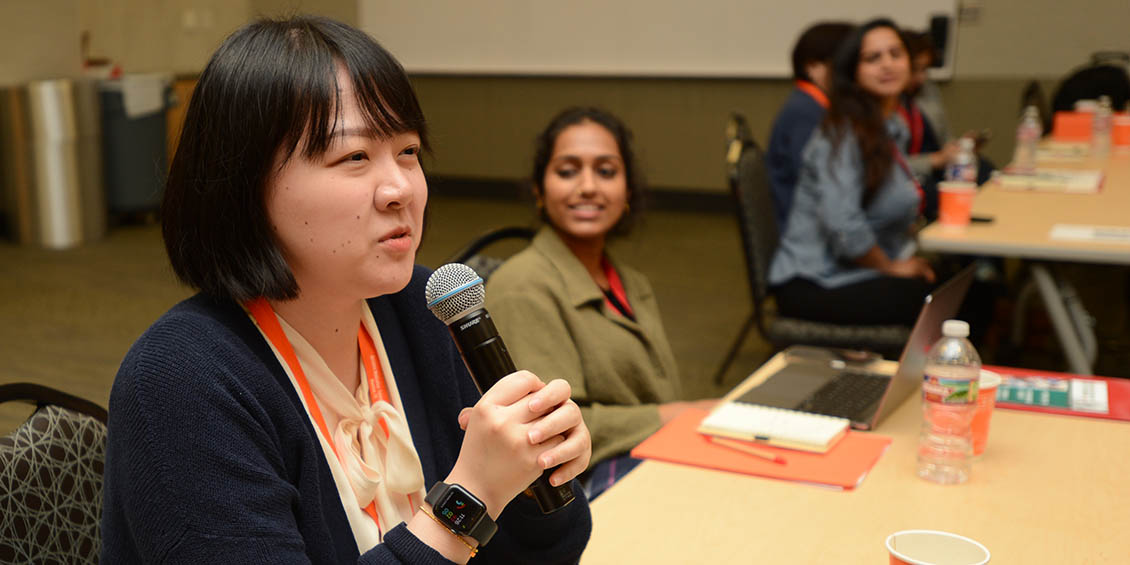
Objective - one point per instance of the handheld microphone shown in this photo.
(455, 295)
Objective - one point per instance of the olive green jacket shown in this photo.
(554, 320)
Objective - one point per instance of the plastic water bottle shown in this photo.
(963, 167)
(949, 399)
(1028, 135)
(1100, 131)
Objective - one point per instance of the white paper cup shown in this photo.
(933, 547)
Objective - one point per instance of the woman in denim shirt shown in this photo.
(846, 253)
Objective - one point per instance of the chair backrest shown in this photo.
(1091, 82)
(1033, 95)
(472, 254)
(51, 479)
(1121, 58)
(749, 185)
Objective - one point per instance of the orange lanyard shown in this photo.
(813, 91)
(265, 316)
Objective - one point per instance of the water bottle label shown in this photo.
(962, 173)
(949, 391)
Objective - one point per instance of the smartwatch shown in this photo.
(461, 512)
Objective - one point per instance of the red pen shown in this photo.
(745, 448)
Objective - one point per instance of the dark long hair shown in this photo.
(850, 106)
(543, 153)
(269, 90)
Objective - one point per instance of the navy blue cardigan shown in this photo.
(792, 128)
(212, 459)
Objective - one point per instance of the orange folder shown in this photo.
(1072, 126)
(844, 466)
(1120, 131)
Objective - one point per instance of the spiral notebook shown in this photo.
(775, 426)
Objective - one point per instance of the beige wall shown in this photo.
(1012, 38)
(483, 126)
(341, 10)
(39, 39)
(1040, 38)
(180, 35)
(175, 36)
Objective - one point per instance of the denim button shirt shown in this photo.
(828, 226)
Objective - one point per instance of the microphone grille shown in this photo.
(453, 289)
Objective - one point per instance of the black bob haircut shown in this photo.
(543, 153)
(818, 44)
(270, 91)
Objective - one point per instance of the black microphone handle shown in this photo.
(488, 361)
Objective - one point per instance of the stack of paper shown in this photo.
(1053, 180)
(1063, 151)
(1100, 234)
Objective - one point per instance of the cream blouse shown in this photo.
(368, 467)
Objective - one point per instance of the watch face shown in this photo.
(459, 509)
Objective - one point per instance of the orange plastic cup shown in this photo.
(955, 203)
(986, 400)
(932, 547)
(1120, 131)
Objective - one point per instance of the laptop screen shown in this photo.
(940, 305)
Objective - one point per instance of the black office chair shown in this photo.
(1091, 82)
(51, 478)
(1033, 95)
(1117, 58)
(472, 254)
(749, 184)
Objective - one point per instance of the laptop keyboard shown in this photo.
(847, 396)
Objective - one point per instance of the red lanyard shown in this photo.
(813, 91)
(616, 286)
(265, 317)
(906, 169)
(913, 118)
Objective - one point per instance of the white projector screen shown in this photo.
(646, 38)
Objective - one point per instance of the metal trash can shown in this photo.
(135, 158)
(51, 158)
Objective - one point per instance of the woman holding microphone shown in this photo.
(305, 406)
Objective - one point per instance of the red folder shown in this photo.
(1073, 126)
(844, 466)
(1118, 394)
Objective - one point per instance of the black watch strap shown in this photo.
(481, 531)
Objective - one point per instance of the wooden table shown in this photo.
(1049, 489)
(1021, 227)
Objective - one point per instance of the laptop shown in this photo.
(835, 383)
